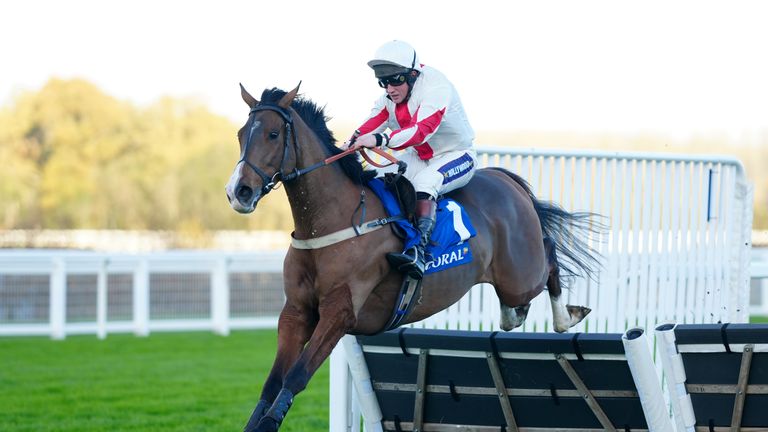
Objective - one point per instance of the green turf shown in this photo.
(166, 382)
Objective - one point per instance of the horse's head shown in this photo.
(264, 144)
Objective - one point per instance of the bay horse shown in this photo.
(348, 287)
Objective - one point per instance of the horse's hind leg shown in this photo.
(564, 316)
(513, 317)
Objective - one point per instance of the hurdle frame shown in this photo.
(587, 382)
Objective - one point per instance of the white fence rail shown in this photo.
(58, 293)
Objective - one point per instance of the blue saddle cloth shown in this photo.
(448, 246)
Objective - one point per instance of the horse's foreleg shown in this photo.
(336, 318)
(563, 316)
(293, 329)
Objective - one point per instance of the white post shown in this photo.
(742, 286)
(101, 300)
(361, 378)
(58, 299)
(220, 297)
(341, 418)
(646, 380)
(674, 370)
(141, 298)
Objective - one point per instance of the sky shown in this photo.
(670, 67)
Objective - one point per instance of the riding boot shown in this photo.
(413, 260)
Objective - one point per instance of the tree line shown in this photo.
(74, 157)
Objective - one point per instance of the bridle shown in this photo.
(271, 182)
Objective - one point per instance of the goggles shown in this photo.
(393, 80)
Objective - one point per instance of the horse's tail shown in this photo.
(571, 233)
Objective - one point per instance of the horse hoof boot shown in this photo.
(267, 424)
(257, 415)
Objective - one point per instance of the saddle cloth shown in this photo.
(448, 244)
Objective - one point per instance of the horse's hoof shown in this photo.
(267, 424)
(577, 313)
(257, 415)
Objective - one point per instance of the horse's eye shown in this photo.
(274, 134)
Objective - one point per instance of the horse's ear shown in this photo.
(287, 100)
(250, 100)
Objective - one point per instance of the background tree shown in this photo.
(74, 157)
(77, 158)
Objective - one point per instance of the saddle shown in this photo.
(405, 193)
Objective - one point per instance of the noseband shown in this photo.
(269, 183)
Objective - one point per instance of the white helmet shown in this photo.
(394, 57)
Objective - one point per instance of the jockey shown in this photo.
(425, 118)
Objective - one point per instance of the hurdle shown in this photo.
(718, 374)
(450, 380)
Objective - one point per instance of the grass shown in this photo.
(166, 382)
(187, 382)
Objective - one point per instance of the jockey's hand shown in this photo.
(367, 141)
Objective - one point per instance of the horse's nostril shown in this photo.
(244, 193)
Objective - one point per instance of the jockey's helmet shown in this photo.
(394, 57)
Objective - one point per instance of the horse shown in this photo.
(348, 287)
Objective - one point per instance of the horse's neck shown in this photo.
(322, 200)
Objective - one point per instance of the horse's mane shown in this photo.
(315, 118)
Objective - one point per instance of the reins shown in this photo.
(270, 183)
(392, 160)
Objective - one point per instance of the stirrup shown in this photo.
(406, 257)
(413, 270)
(408, 262)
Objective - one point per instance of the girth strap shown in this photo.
(345, 234)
